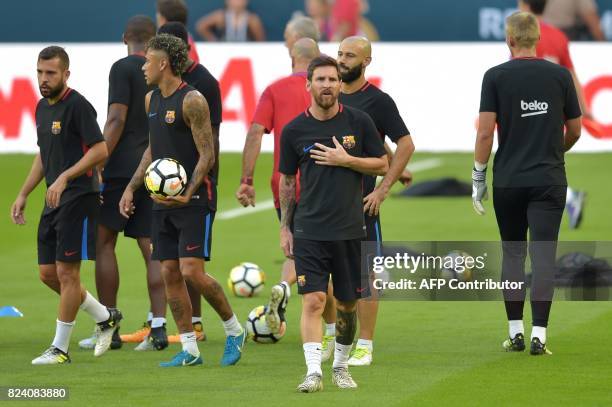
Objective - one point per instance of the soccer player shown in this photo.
(354, 56)
(202, 80)
(179, 128)
(530, 100)
(331, 145)
(168, 11)
(126, 133)
(281, 102)
(554, 46)
(71, 146)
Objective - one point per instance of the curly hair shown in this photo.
(175, 48)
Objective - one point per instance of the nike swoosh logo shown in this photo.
(68, 254)
(152, 114)
(190, 248)
(307, 149)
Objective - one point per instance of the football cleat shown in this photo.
(183, 358)
(145, 345)
(116, 342)
(158, 338)
(89, 343)
(52, 356)
(199, 331)
(327, 347)
(343, 379)
(516, 344)
(538, 348)
(360, 356)
(233, 349)
(197, 328)
(312, 383)
(139, 335)
(105, 330)
(275, 313)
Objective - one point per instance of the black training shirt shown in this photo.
(383, 111)
(65, 131)
(330, 206)
(532, 98)
(202, 80)
(170, 137)
(127, 86)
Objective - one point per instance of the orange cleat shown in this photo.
(138, 336)
(199, 331)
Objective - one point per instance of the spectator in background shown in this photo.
(345, 19)
(234, 23)
(366, 28)
(577, 18)
(176, 11)
(319, 11)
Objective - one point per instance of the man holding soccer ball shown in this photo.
(180, 129)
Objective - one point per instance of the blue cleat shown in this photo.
(233, 349)
(183, 358)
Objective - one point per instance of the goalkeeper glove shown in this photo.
(479, 189)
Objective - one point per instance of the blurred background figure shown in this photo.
(349, 18)
(345, 16)
(579, 19)
(168, 11)
(366, 27)
(234, 23)
(300, 27)
(320, 11)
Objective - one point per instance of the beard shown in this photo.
(49, 92)
(325, 101)
(352, 74)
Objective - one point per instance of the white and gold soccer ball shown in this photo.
(258, 329)
(165, 177)
(246, 280)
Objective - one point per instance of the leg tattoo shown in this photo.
(346, 326)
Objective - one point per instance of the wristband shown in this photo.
(246, 180)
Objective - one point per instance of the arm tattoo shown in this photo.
(197, 115)
(346, 327)
(287, 189)
(138, 177)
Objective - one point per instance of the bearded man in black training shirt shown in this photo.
(71, 146)
(530, 100)
(332, 146)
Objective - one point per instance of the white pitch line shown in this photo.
(237, 212)
(425, 164)
(415, 167)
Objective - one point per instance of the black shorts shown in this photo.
(184, 232)
(139, 224)
(373, 232)
(278, 214)
(68, 233)
(316, 260)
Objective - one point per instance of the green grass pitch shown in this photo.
(425, 353)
